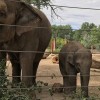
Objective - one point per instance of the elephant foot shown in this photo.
(69, 91)
(85, 95)
(27, 81)
(84, 92)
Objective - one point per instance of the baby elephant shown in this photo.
(75, 58)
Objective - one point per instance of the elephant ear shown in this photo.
(27, 19)
(70, 58)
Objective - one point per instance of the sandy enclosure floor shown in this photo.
(47, 68)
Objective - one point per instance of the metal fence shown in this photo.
(45, 82)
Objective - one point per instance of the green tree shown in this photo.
(77, 35)
(90, 34)
(62, 31)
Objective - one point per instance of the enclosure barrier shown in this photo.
(20, 88)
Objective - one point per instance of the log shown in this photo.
(95, 64)
(95, 60)
(55, 59)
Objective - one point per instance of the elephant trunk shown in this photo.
(85, 77)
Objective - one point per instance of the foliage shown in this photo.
(88, 34)
(18, 91)
(77, 35)
(59, 43)
(3, 79)
(9, 93)
(62, 31)
(78, 96)
(38, 3)
(61, 34)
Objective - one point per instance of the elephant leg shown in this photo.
(64, 75)
(84, 84)
(16, 68)
(35, 65)
(85, 77)
(70, 79)
(26, 61)
(71, 82)
(16, 72)
(65, 84)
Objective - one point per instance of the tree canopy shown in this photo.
(88, 34)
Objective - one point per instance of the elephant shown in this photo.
(25, 33)
(75, 58)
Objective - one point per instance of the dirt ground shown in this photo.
(47, 72)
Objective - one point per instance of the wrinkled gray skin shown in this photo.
(74, 58)
(18, 38)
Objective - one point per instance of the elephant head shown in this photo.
(16, 18)
(79, 58)
(83, 59)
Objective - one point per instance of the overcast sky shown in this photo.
(75, 17)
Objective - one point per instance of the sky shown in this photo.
(74, 17)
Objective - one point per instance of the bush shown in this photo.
(19, 92)
(3, 78)
(59, 43)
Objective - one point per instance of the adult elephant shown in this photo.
(75, 58)
(23, 28)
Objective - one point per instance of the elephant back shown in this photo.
(72, 46)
